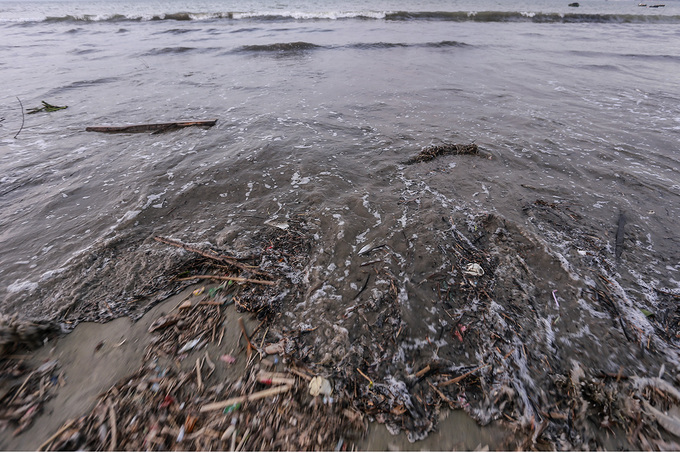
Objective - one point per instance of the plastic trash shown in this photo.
(474, 269)
(320, 386)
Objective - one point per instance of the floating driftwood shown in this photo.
(156, 128)
(429, 153)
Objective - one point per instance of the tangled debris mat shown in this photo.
(431, 152)
(24, 391)
(493, 364)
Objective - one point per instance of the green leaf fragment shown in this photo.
(46, 108)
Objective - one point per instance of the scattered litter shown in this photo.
(473, 269)
(557, 304)
(320, 386)
(228, 359)
(190, 345)
(275, 348)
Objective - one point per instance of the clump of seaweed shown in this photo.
(431, 152)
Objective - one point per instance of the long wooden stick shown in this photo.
(242, 399)
(462, 376)
(150, 127)
(226, 277)
(57, 434)
(199, 379)
(114, 431)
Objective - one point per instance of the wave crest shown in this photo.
(454, 16)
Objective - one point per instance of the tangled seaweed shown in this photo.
(431, 152)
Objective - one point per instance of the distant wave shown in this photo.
(454, 16)
(390, 45)
(517, 16)
(279, 47)
(305, 46)
(180, 49)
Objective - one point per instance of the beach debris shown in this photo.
(156, 128)
(23, 118)
(557, 304)
(473, 269)
(320, 386)
(22, 403)
(282, 402)
(228, 358)
(46, 108)
(242, 399)
(164, 321)
(190, 345)
(431, 152)
(171, 406)
(16, 333)
(459, 331)
(271, 378)
(275, 348)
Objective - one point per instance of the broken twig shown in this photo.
(23, 117)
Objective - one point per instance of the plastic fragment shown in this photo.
(232, 408)
(473, 269)
(320, 386)
(227, 358)
(190, 345)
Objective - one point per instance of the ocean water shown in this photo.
(318, 105)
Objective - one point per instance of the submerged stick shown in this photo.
(153, 127)
(23, 117)
(462, 376)
(226, 277)
(242, 399)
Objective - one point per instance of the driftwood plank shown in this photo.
(155, 127)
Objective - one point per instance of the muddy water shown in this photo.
(576, 121)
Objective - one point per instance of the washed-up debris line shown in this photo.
(24, 391)
(431, 152)
(165, 406)
(304, 389)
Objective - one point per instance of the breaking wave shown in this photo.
(454, 16)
